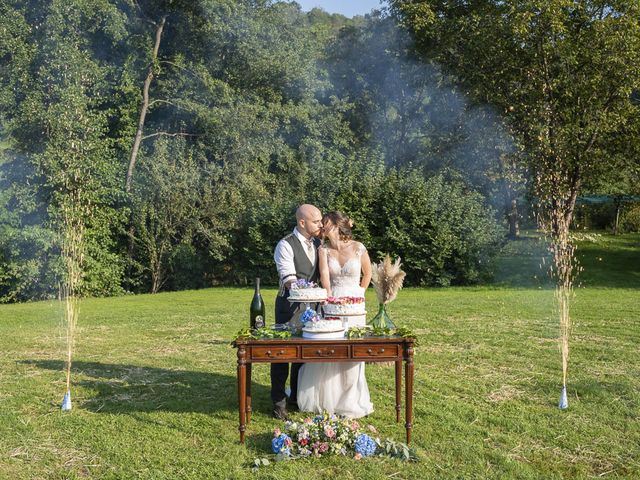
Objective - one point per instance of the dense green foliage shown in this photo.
(154, 384)
(253, 108)
(564, 73)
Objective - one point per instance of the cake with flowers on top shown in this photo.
(347, 302)
(337, 306)
(317, 327)
(305, 291)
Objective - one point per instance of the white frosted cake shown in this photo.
(344, 306)
(304, 291)
(323, 329)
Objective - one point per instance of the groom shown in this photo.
(295, 257)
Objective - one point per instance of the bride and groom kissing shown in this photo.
(320, 248)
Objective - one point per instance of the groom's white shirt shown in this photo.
(283, 257)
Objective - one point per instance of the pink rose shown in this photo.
(329, 432)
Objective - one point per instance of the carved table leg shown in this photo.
(398, 389)
(409, 390)
(242, 390)
(248, 392)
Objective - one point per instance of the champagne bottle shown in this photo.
(256, 311)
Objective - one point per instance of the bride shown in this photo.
(339, 388)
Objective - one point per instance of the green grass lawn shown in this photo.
(154, 387)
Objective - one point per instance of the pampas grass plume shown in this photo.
(387, 278)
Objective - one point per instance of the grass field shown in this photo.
(154, 387)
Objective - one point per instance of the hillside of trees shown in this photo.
(189, 131)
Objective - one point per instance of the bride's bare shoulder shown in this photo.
(359, 248)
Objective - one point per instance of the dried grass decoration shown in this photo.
(387, 278)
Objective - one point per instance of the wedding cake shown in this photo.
(305, 291)
(316, 327)
(344, 306)
(349, 303)
(324, 329)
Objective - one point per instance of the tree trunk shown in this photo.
(618, 204)
(145, 106)
(514, 226)
(570, 205)
(155, 266)
(138, 137)
(156, 280)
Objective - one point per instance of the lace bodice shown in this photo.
(348, 274)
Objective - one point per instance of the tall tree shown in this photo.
(61, 170)
(563, 73)
(145, 103)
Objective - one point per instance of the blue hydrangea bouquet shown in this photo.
(332, 435)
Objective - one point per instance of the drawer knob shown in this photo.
(332, 351)
(319, 352)
(370, 351)
(282, 352)
(269, 352)
(382, 350)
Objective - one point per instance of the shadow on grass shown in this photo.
(116, 388)
(260, 443)
(609, 268)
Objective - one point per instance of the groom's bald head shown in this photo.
(309, 220)
(307, 210)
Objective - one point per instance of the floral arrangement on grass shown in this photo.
(333, 435)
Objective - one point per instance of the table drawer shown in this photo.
(334, 351)
(386, 351)
(273, 352)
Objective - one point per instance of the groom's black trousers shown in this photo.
(280, 371)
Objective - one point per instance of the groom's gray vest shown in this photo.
(304, 268)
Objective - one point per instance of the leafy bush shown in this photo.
(442, 230)
(630, 219)
(28, 265)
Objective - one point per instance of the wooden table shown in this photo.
(297, 349)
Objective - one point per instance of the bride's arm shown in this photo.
(365, 263)
(324, 269)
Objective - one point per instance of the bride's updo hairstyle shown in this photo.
(342, 222)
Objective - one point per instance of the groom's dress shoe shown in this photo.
(280, 413)
(292, 404)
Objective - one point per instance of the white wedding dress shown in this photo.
(339, 388)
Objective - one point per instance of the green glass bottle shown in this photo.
(256, 311)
